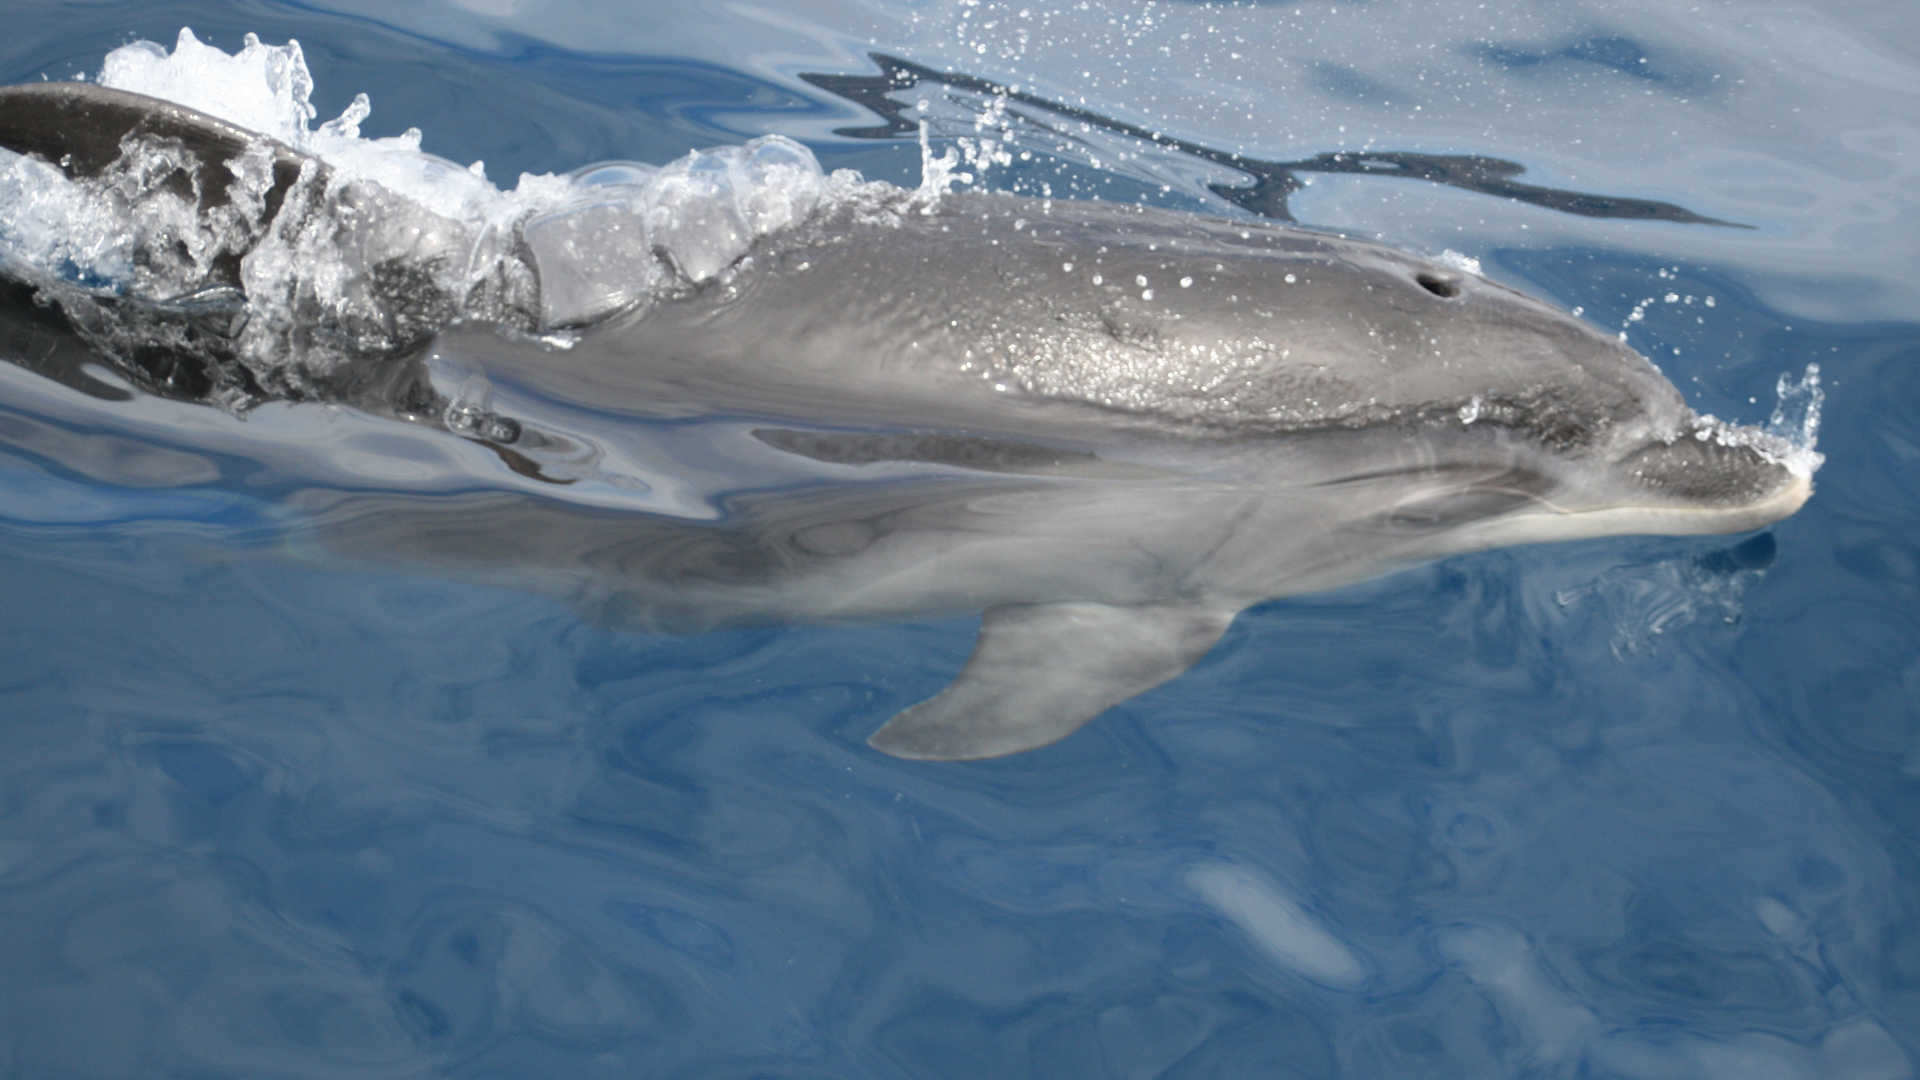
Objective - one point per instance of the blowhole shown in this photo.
(1445, 288)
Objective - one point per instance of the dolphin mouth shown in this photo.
(1692, 486)
(1722, 482)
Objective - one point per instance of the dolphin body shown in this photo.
(1108, 428)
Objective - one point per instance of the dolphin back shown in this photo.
(1161, 318)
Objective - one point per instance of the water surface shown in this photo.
(1632, 808)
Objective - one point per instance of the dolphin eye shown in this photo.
(1445, 288)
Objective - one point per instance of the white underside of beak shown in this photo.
(1547, 521)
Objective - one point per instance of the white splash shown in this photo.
(262, 88)
(1791, 433)
(607, 237)
(1796, 416)
(551, 253)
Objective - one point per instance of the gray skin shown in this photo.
(1107, 428)
(934, 414)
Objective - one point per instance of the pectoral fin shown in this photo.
(1039, 671)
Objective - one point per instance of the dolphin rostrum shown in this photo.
(1109, 428)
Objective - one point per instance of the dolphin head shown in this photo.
(1590, 438)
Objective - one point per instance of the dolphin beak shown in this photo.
(1721, 484)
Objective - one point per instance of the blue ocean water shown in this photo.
(1625, 808)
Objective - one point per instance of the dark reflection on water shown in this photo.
(1616, 53)
(1039, 122)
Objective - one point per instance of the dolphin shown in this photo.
(1107, 428)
